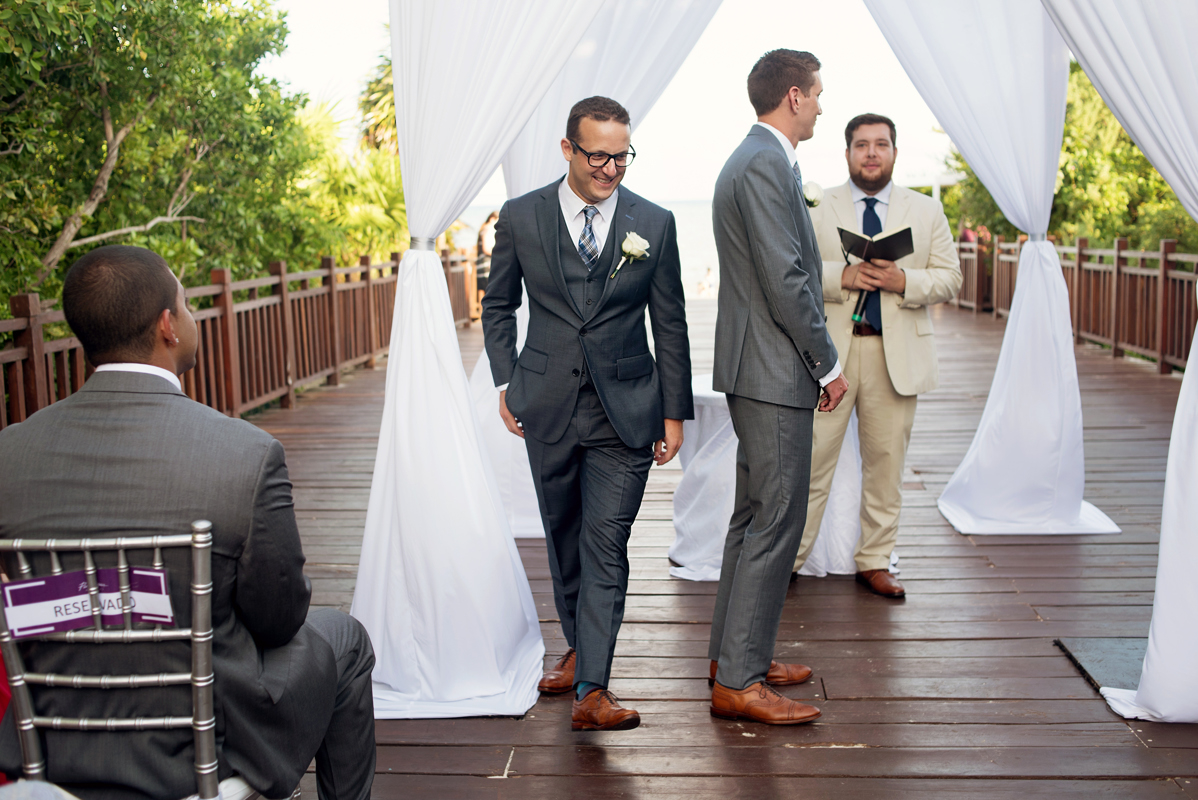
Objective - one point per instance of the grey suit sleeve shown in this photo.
(767, 208)
(272, 590)
(503, 297)
(667, 315)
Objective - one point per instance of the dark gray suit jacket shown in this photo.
(130, 455)
(771, 342)
(610, 343)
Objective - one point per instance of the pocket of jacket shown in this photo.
(634, 367)
(923, 325)
(533, 360)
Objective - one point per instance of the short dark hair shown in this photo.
(600, 109)
(867, 119)
(112, 298)
(774, 74)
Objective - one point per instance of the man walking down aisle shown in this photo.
(593, 405)
(773, 356)
(890, 357)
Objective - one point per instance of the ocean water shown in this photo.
(696, 242)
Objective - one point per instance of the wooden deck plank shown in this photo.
(956, 692)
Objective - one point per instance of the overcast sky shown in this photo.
(704, 113)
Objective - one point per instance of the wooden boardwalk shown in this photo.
(958, 691)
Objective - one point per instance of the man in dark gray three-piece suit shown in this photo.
(131, 455)
(773, 358)
(593, 405)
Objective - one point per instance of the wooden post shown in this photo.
(279, 270)
(1163, 307)
(1117, 270)
(231, 352)
(330, 267)
(29, 306)
(371, 315)
(994, 281)
(1075, 291)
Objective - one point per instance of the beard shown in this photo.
(872, 184)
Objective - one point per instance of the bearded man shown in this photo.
(888, 358)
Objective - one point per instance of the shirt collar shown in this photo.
(573, 205)
(145, 369)
(882, 197)
(786, 145)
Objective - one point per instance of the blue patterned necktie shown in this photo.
(871, 225)
(798, 175)
(587, 247)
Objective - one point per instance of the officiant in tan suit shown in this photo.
(889, 358)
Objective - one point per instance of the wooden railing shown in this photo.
(260, 339)
(1147, 307)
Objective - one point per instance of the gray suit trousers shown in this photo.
(773, 470)
(589, 486)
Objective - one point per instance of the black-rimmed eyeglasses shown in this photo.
(599, 160)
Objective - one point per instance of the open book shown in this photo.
(890, 247)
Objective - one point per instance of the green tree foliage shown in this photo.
(144, 122)
(1106, 188)
(377, 105)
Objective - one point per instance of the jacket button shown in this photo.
(589, 302)
(575, 373)
(582, 332)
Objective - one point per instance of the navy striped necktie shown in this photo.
(871, 225)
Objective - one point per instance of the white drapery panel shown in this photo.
(441, 588)
(1141, 58)
(995, 75)
(629, 53)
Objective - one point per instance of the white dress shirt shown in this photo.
(794, 159)
(880, 207)
(573, 207)
(145, 369)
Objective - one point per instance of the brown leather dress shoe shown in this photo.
(880, 581)
(779, 674)
(759, 703)
(560, 679)
(601, 711)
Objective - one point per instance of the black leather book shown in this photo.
(890, 247)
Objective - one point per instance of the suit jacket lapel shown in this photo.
(621, 226)
(549, 210)
(900, 205)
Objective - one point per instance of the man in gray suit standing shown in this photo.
(772, 356)
(130, 454)
(593, 405)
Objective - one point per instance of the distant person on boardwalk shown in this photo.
(889, 357)
(776, 362)
(486, 244)
(130, 454)
(595, 408)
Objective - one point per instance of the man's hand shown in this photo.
(881, 274)
(665, 449)
(512, 423)
(833, 394)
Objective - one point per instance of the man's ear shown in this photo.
(567, 149)
(166, 327)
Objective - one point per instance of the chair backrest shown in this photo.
(203, 718)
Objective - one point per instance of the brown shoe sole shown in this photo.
(738, 715)
(544, 690)
(625, 725)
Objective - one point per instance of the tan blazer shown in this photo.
(933, 276)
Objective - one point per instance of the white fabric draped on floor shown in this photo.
(995, 75)
(1141, 58)
(629, 53)
(440, 587)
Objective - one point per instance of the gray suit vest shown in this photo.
(585, 289)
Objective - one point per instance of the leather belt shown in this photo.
(865, 329)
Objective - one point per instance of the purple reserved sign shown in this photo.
(57, 603)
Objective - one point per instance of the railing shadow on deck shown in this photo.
(260, 339)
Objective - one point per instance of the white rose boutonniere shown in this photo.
(813, 193)
(634, 248)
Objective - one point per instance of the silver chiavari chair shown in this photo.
(202, 720)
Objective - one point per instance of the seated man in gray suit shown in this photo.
(131, 454)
